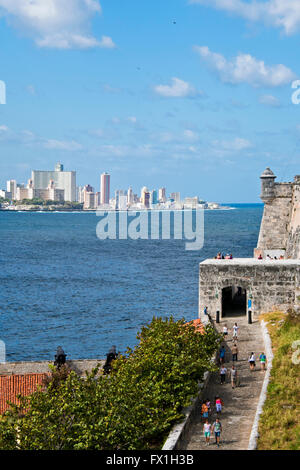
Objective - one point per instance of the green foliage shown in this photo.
(279, 427)
(132, 408)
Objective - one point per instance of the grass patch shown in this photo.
(279, 426)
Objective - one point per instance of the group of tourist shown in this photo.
(222, 256)
(216, 426)
(270, 257)
(232, 373)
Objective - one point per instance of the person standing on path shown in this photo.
(235, 330)
(222, 353)
(207, 431)
(251, 361)
(204, 411)
(225, 331)
(223, 371)
(233, 376)
(219, 405)
(262, 360)
(217, 428)
(234, 352)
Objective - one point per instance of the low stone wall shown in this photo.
(79, 366)
(263, 395)
(180, 432)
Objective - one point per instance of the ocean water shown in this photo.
(61, 285)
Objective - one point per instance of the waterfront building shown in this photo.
(175, 197)
(5, 194)
(105, 188)
(191, 202)
(89, 197)
(145, 197)
(122, 202)
(130, 196)
(162, 195)
(64, 180)
(154, 197)
(11, 187)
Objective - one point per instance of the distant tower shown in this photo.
(267, 186)
(59, 167)
(130, 196)
(105, 188)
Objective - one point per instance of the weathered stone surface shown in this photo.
(270, 284)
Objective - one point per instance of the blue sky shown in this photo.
(192, 95)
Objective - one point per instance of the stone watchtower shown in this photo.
(267, 186)
(279, 232)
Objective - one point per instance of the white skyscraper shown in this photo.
(65, 180)
(11, 187)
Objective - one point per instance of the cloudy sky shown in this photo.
(194, 95)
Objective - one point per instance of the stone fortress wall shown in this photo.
(280, 227)
(271, 279)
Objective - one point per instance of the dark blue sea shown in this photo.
(61, 285)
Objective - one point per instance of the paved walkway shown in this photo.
(240, 403)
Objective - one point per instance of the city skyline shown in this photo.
(161, 99)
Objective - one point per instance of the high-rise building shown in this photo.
(65, 180)
(175, 197)
(88, 197)
(130, 196)
(154, 197)
(162, 195)
(11, 187)
(105, 188)
(145, 197)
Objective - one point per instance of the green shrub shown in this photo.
(132, 408)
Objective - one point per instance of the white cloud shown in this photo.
(56, 23)
(234, 145)
(4, 128)
(283, 14)
(190, 135)
(177, 89)
(245, 68)
(62, 145)
(269, 100)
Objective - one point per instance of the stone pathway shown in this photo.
(240, 403)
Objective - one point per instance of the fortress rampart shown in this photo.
(270, 280)
(280, 227)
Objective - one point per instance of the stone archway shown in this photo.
(234, 301)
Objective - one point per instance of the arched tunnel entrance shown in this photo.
(234, 301)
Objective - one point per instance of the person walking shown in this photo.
(225, 331)
(222, 353)
(262, 360)
(251, 361)
(207, 401)
(217, 428)
(223, 371)
(204, 411)
(234, 352)
(219, 404)
(235, 330)
(233, 376)
(207, 431)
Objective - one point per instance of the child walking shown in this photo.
(207, 431)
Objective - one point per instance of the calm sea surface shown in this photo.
(60, 285)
